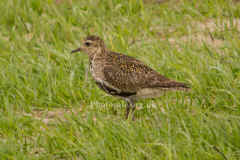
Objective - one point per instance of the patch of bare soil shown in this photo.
(203, 32)
(220, 24)
(198, 39)
(51, 116)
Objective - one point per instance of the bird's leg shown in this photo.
(133, 109)
(130, 104)
(127, 109)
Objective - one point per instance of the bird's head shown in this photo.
(91, 45)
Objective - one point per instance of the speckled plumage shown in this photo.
(124, 76)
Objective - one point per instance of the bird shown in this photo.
(124, 76)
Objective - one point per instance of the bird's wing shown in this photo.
(130, 75)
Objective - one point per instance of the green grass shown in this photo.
(39, 76)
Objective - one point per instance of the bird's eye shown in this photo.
(87, 43)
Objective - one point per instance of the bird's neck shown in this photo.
(99, 52)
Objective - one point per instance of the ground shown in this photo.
(51, 108)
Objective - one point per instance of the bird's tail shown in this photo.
(179, 86)
(173, 85)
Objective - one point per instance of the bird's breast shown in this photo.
(96, 69)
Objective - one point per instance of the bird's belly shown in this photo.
(149, 93)
(106, 88)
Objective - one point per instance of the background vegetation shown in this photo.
(51, 109)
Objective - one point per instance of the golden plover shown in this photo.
(124, 76)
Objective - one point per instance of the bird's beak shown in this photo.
(76, 50)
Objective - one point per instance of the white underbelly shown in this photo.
(150, 93)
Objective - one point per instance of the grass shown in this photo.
(51, 110)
